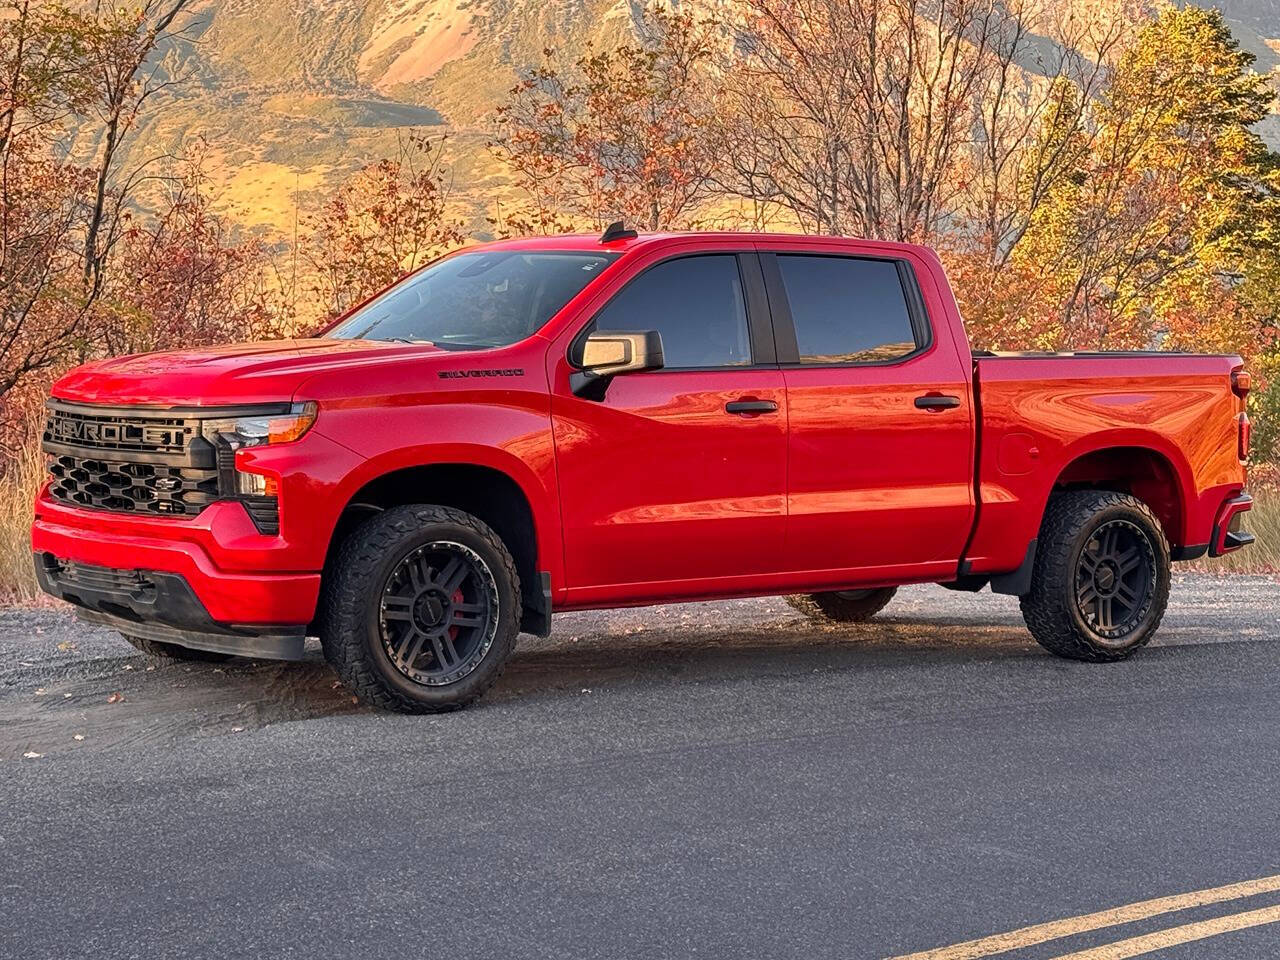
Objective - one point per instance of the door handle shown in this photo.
(936, 401)
(750, 406)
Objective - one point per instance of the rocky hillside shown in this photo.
(292, 93)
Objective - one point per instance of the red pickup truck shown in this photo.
(561, 423)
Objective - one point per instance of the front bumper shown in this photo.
(160, 606)
(220, 555)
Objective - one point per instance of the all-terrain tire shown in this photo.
(1055, 610)
(174, 651)
(842, 606)
(351, 628)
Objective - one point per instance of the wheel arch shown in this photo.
(488, 492)
(1149, 471)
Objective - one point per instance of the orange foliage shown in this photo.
(384, 221)
(625, 133)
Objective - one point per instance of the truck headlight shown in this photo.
(254, 430)
(255, 427)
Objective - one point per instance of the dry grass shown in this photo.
(1263, 521)
(22, 477)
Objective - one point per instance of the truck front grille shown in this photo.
(133, 487)
(147, 461)
(158, 434)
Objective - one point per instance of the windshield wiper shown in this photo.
(460, 345)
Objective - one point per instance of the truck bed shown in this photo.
(1174, 418)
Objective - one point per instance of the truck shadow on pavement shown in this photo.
(134, 702)
(702, 652)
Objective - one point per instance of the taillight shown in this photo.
(1243, 436)
(1240, 383)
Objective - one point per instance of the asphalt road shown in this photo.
(711, 780)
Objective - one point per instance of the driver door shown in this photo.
(674, 482)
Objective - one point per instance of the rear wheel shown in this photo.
(421, 609)
(174, 651)
(1100, 582)
(843, 606)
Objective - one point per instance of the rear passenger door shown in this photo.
(880, 453)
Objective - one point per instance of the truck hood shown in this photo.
(220, 376)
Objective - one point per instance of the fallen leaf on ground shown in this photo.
(116, 698)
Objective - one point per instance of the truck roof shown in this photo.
(591, 241)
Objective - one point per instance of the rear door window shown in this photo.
(847, 309)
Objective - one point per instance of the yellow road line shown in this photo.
(1136, 946)
(1056, 929)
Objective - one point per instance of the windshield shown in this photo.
(475, 300)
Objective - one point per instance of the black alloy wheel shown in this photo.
(420, 609)
(1100, 580)
(1114, 576)
(438, 613)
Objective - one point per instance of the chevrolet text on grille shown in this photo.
(88, 431)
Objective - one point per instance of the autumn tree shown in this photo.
(62, 72)
(135, 59)
(625, 132)
(1046, 65)
(180, 278)
(386, 219)
(1167, 230)
(44, 52)
(850, 113)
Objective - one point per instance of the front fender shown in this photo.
(515, 441)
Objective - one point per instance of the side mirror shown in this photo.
(606, 354)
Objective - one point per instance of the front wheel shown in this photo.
(843, 606)
(1100, 582)
(421, 609)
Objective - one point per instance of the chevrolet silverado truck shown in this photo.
(574, 422)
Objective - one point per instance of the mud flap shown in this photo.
(536, 616)
(1017, 582)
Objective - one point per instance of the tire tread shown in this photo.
(350, 586)
(162, 650)
(830, 607)
(1046, 609)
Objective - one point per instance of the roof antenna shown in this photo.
(617, 231)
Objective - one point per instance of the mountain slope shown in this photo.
(292, 94)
